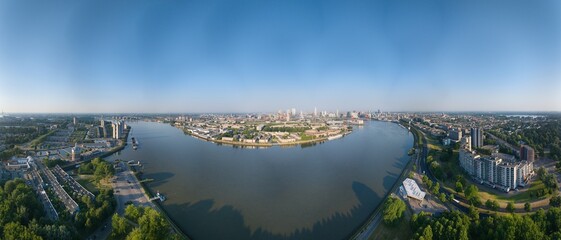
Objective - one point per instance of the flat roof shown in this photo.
(413, 189)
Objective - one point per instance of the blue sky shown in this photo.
(253, 56)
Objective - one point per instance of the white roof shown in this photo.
(413, 189)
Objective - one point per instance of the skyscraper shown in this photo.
(527, 153)
(476, 138)
(117, 129)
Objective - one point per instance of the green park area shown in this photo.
(37, 141)
(395, 221)
(141, 223)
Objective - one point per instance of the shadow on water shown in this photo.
(200, 222)
(159, 178)
(389, 180)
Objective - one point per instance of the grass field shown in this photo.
(400, 231)
(88, 182)
(522, 197)
(37, 141)
(433, 144)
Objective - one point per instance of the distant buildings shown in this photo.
(476, 138)
(527, 153)
(455, 134)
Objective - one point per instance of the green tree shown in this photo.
(133, 213)
(16, 231)
(442, 197)
(120, 226)
(435, 188)
(153, 225)
(527, 207)
(393, 210)
(510, 207)
(459, 187)
(473, 213)
(555, 201)
(136, 234)
(427, 233)
(472, 195)
(492, 204)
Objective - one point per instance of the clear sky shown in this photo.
(253, 56)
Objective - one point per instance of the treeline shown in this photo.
(549, 180)
(8, 153)
(97, 167)
(141, 223)
(285, 129)
(541, 225)
(19, 135)
(52, 163)
(94, 211)
(22, 215)
(547, 136)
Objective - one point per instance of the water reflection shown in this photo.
(320, 191)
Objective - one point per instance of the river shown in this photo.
(323, 191)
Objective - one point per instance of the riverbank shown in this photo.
(157, 206)
(364, 231)
(265, 145)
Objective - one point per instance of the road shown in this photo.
(127, 188)
(371, 227)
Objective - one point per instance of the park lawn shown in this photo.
(434, 144)
(521, 197)
(88, 182)
(401, 231)
(35, 142)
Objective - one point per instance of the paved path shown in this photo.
(127, 188)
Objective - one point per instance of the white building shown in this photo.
(507, 174)
(413, 190)
(467, 161)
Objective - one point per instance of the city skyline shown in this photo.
(222, 56)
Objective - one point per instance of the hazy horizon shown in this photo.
(245, 56)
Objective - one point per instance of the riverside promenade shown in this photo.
(366, 230)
